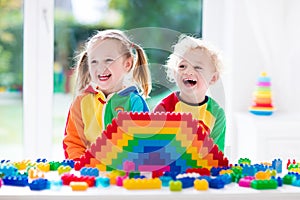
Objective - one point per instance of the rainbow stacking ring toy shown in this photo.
(262, 103)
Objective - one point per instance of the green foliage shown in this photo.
(11, 43)
(179, 16)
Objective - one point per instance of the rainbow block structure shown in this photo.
(153, 142)
(262, 103)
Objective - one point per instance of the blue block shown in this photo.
(89, 171)
(68, 163)
(15, 180)
(43, 160)
(39, 184)
(208, 178)
(165, 180)
(216, 183)
(277, 165)
(215, 171)
(187, 182)
(56, 184)
(226, 178)
(102, 181)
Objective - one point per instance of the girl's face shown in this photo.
(108, 65)
(194, 73)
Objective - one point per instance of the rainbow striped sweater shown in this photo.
(91, 112)
(209, 114)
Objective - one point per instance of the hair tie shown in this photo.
(132, 45)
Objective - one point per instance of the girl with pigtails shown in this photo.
(112, 76)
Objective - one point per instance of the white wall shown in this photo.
(256, 36)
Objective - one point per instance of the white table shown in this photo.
(230, 192)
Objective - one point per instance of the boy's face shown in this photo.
(107, 65)
(194, 73)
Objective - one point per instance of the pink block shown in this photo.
(128, 166)
(246, 181)
(151, 168)
(120, 179)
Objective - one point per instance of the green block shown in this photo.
(264, 184)
(289, 179)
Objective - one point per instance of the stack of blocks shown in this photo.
(153, 142)
(262, 104)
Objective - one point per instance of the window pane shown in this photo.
(11, 79)
(159, 22)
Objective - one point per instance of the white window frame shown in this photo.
(38, 78)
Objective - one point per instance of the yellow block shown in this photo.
(79, 186)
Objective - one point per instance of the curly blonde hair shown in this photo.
(186, 43)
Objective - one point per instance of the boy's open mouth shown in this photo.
(189, 82)
(104, 77)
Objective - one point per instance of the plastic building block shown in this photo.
(279, 181)
(249, 170)
(226, 178)
(187, 182)
(172, 174)
(201, 184)
(165, 180)
(120, 179)
(132, 174)
(214, 171)
(44, 160)
(4, 161)
(244, 161)
(277, 165)
(102, 181)
(246, 181)
(207, 178)
(35, 173)
(225, 171)
(153, 141)
(39, 184)
(43, 166)
(22, 165)
(263, 175)
(8, 170)
(79, 186)
(296, 183)
(235, 177)
(216, 183)
(113, 176)
(15, 180)
(187, 175)
(68, 162)
(56, 184)
(136, 184)
(63, 169)
(88, 171)
(129, 166)
(264, 184)
(54, 165)
(175, 186)
(201, 171)
(68, 178)
(289, 179)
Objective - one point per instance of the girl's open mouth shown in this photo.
(104, 77)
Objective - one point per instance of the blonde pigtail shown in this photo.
(141, 72)
(83, 75)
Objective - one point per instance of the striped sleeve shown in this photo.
(74, 142)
